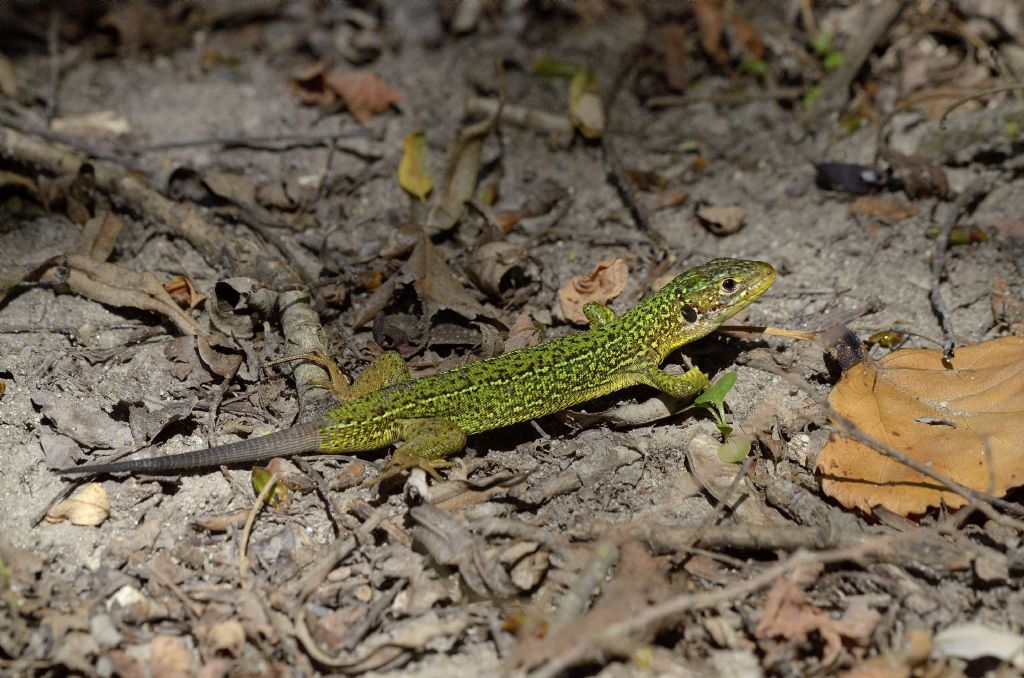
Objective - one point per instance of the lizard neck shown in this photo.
(659, 329)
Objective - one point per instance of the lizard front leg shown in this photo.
(597, 314)
(686, 385)
(426, 443)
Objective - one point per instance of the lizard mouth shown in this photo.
(764, 277)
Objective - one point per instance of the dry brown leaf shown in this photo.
(639, 581)
(227, 636)
(673, 39)
(605, 282)
(364, 93)
(87, 506)
(310, 86)
(936, 416)
(790, 614)
(184, 292)
(670, 197)
(436, 284)
(170, 658)
(463, 170)
(744, 33)
(117, 286)
(524, 332)
(887, 210)
(709, 16)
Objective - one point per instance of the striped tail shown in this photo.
(294, 440)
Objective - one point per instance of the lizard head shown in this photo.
(698, 301)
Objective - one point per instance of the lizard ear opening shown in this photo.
(689, 313)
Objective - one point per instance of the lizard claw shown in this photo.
(402, 460)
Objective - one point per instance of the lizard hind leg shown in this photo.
(387, 369)
(426, 442)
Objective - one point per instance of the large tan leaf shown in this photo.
(937, 416)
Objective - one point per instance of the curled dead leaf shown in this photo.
(310, 86)
(605, 282)
(227, 637)
(504, 271)
(365, 95)
(893, 400)
(184, 292)
(87, 506)
(722, 220)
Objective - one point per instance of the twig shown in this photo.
(614, 170)
(968, 196)
(741, 97)
(521, 116)
(218, 396)
(577, 597)
(836, 86)
(193, 608)
(322, 490)
(703, 600)
(53, 47)
(975, 95)
(720, 503)
(285, 141)
(243, 542)
(300, 323)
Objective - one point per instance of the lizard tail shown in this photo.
(294, 440)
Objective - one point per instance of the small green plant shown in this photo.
(713, 400)
(733, 448)
(831, 59)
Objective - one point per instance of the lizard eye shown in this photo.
(689, 314)
(729, 285)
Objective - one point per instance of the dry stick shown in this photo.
(53, 46)
(975, 95)
(720, 504)
(247, 255)
(521, 116)
(193, 608)
(247, 530)
(977, 187)
(615, 172)
(852, 431)
(218, 396)
(741, 97)
(836, 86)
(256, 142)
(322, 490)
(696, 601)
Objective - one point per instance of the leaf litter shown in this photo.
(520, 512)
(898, 401)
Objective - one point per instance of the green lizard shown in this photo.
(431, 416)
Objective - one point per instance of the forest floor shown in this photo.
(190, 192)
